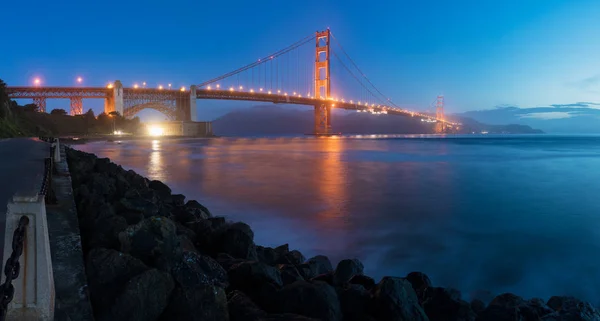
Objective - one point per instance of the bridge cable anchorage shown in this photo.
(12, 267)
(360, 71)
(260, 61)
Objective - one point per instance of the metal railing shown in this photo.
(12, 267)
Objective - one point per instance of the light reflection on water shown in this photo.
(512, 214)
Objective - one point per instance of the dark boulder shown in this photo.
(163, 190)
(101, 184)
(367, 282)
(508, 305)
(267, 255)
(572, 309)
(292, 257)
(194, 269)
(289, 274)
(395, 300)
(238, 240)
(154, 241)
(346, 269)
(318, 265)
(241, 308)
(227, 261)
(477, 306)
(204, 212)
(178, 199)
(144, 298)
(420, 281)
(312, 299)
(106, 233)
(200, 303)
(355, 302)
(257, 280)
(132, 218)
(139, 204)
(325, 277)
(441, 304)
(500, 313)
(107, 272)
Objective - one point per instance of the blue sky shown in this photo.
(479, 54)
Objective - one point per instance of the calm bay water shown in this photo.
(504, 214)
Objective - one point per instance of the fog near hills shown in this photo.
(581, 118)
(285, 120)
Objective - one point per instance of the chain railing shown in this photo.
(12, 267)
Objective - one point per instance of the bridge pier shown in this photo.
(193, 110)
(114, 102)
(41, 103)
(322, 119)
(76, 106)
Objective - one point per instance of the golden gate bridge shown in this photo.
(301, 73)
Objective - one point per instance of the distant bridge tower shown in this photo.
(439, 108)
(322, 83)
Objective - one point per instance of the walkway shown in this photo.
(21, 171)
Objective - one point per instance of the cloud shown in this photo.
(548, 115)
(590, 84)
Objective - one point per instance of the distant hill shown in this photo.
(571, 118)
(282, 120)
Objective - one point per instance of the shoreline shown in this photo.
(203, 267)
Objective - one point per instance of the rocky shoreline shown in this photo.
(150, 255)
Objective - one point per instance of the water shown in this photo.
(503, 214)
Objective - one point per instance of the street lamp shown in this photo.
(79, 80)
(37, 81)
(169, 86)
(144, 84)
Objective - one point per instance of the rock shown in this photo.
(201, 303)
(292, 257)
(106, 233)
(101, 184)
(227, 261)
(154, 241)
(241, 308)
(508, 305)
(257, 280)
(289, 274)
(441, 304)
(477, 306)
(326, 277)
(140, 205)
(570, 308)
(194, 269)
(346, 269)
(355, 302)
(163, 190)
(267, 255)
(178, 199)
(107, 272)
(366, 281)
(419, 281)
(238, 241)
(319, 264)
(282, 250)
(286, 317)
(507, 300)
(499, 313)
(205, 213)
(394, 299)
(187, 215)
(312, 299)
(144, 298)
(132, 218)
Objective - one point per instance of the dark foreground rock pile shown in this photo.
(152, 255)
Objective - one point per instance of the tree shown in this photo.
(4, 101)
(31, 108)
(58, 111)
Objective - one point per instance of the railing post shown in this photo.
(56, 155)
(34, 287)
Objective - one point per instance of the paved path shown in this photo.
(21, 171)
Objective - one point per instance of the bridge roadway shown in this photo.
(21, 172)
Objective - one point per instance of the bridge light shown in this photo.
(241, 87)
(285, 94)
(299, 95)
(208, 87)
(269, 92)
(144, 84)
(351, 102)
(182, 88)
(135, 86)
(279, 91)
(218, 86)
(231, 89)
(79, 80)
(169, 86)
(251, 90)
(332, 105)
(294, 93)
(160, 87)
(261, 89)
(37, 81)
(155, 131)
(110, 85)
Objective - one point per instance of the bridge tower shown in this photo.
(439, 108)
(322, 83)
(114, 101)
